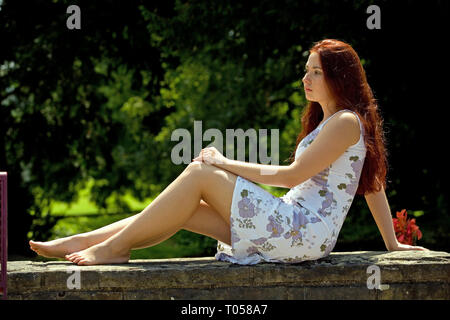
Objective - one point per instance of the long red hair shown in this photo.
(347, 83)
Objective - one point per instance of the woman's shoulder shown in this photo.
(347, 115)
(346, 125)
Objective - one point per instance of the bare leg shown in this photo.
(206, 221)
(60, 247)
(163, 216)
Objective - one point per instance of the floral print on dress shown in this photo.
(274, 227)
(246, 208)
(328, 200)
(252, 250)
(309, 138)
(262, 244)
(259, 241)
(357, 166)
(302, 225)
(299, 221)
(234, 236)
(321, 179)
(328, 245)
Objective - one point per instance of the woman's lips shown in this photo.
(307, 89)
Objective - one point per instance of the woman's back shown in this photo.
(330, 193)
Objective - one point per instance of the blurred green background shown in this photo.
(86, 115)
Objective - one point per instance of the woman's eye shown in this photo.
(315, 72)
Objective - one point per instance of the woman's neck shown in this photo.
(328, 110)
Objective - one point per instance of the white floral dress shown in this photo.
(301, 225)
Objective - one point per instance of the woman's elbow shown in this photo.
(293, 180)
(292, 177)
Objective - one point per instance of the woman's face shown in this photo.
(314, 83)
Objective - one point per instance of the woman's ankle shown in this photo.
(83, 239)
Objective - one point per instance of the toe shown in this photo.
(72, 259)
(77, 259)
(82, 262)
(70, 256)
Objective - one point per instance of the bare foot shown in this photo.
(101, 253)
(58, 248)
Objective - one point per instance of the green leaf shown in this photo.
(418, 213)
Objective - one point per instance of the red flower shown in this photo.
(406, 230)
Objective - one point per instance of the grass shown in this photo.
(84, 206)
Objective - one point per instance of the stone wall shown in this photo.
(342, 275)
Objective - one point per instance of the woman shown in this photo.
(340, 152)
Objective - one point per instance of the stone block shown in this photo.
(341, 275)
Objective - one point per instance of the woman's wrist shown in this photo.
(222, 163)
(392, 246)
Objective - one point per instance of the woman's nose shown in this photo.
(305, 79)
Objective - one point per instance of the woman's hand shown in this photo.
(210, 155)
(403, 247)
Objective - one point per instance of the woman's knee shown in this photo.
(197, 167)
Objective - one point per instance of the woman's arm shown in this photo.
(272, 175)
(379, 207)
(381, 212)
(332, 141)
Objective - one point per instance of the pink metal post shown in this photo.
(3, 234)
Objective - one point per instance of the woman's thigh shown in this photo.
(212, 216)
(216, 187)
(207, 221)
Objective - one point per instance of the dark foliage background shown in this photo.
(101, 102)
